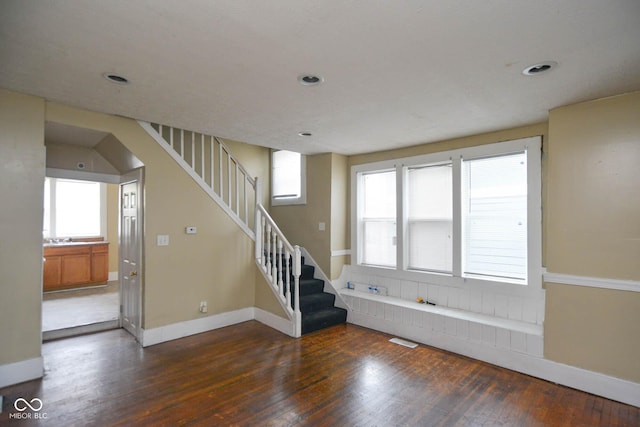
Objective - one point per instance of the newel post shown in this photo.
(297, 270)
(258, 220)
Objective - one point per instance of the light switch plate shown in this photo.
(163, 240)
(321, 226)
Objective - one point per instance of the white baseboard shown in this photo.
(196, 326)
(113, 276)
(276, 322)
(592, 382)
(19, 372)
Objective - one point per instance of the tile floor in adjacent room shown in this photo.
(81, 307)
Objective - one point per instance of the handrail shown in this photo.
(208, 160)
(274, 254)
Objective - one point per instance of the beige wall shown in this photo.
(299, 223)
(327, 201)
(593, 229)
(593, 197)
(215, 265)
(339, 212)
(594, 329)
(451, 144)
(65, 156)
(22, 170)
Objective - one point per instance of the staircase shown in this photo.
(212, 166)
(317, 307)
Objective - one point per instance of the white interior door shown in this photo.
(131, 256)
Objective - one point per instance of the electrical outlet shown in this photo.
(203, 307)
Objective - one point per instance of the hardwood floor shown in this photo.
(249, 374)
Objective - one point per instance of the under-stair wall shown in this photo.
(210, 163)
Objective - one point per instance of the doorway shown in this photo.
(81, 290)
(88, 155)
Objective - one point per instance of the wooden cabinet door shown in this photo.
(100, 263)
(76, 269)
(52, 275)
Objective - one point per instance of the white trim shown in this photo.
(300, 200)
(82, 175)
(276, 322)
(19, 372)
(196, 326)
(113, 276)
(592, 282)
(341, 252)
(592, 382)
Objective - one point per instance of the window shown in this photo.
(495, 216)
(378, 219)
(430, 222)
(469, 214)
(73, 208)
(288, 181)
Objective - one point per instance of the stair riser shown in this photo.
(326, 301)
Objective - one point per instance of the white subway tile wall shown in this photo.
(418, 323)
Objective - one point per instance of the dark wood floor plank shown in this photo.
(251, 375)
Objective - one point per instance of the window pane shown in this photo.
(430, 203)
(495, 216)
(379, 243)
(379, 195)
(286, 174)
(378, 218)
(77, 208)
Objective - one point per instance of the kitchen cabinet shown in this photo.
(75, 264)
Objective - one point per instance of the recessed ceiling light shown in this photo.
(536, 69)
(309, 79)
(304, 134)
(115, 78)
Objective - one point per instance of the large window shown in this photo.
(288, 183)
(73, 208)
(471, 214)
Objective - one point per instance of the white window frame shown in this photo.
(285, 201)
(52, 203)
(531, 145)
(361, 221)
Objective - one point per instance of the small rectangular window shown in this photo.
(379, 218)
(288, 184)
(430, 219)
(495, 216)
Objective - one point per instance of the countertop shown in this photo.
(65, 244)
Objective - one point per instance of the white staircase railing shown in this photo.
(211, 164)
(280, 262)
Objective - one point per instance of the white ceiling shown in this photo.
(396, 73)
